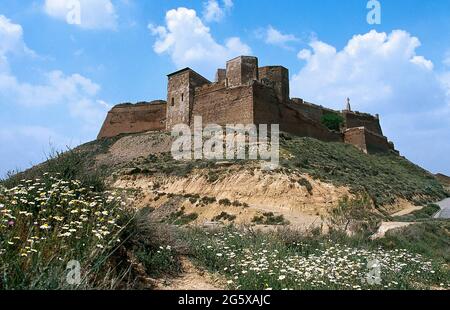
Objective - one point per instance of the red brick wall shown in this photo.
(180, 96)
(353, 119)
(367, 140)
(222, 106)
(242, 71)
(134, 118)
(357, 137)
(279, 76)
(377, 143)
(268, 110)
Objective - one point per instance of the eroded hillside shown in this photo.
(311, 180)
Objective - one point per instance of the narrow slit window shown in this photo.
(182, 97)
(173, 101)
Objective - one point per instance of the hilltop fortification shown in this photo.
(244, 93)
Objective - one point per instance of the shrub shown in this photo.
(269, 219)
(359, 211)
(180, 218)
(208, 200)
(304, 182)
(332, 121)
(225, 202)
(224, 216)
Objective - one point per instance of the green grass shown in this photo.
(179, 217)
(47, 223)
(288, 260)
(385, 177)
(431, 239)
(425, 213)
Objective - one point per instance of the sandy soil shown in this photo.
(407, 210)
(192, 278)
(264, 192)
(387, 226)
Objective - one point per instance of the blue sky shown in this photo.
(58, 79)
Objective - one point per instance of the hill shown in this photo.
(312, 178)
(132, 213)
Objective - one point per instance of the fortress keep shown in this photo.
(244, 93)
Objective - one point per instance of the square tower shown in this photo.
(180, 96)
(242, 70)
(278, 77)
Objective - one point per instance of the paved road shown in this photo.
(445, 212)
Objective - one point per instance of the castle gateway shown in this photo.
(244, 93)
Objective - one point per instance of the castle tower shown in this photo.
(242, 70)
(221, 75)
(278, 76)
(180, 96)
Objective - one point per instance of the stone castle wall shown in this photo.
(220, 105)
(355, 119)
(180, 96)
(133, 118)
(241, 71)
(278, 78)
(268, 110)
(310, 110)
(366, 140)
(243, 93)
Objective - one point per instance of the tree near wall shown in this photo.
(332, 121)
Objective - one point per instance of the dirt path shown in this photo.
(191, 279)
(387, 226)
(408, 210)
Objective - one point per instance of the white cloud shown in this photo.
(212, 11)
(376, 70)
(275, 37)
(190, 43)
(94, 14)
(56, 87)
(382, 73)
(76, 94)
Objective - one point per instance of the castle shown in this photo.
(244, 93)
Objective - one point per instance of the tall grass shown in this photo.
(46, 223)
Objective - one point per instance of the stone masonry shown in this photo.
(244, 93)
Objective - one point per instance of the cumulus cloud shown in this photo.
(94, 14)
(73, 93)
(212, 11)
(374, 69)
(273, 36)
(189, 42)
(382, 73)
(57, 88)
